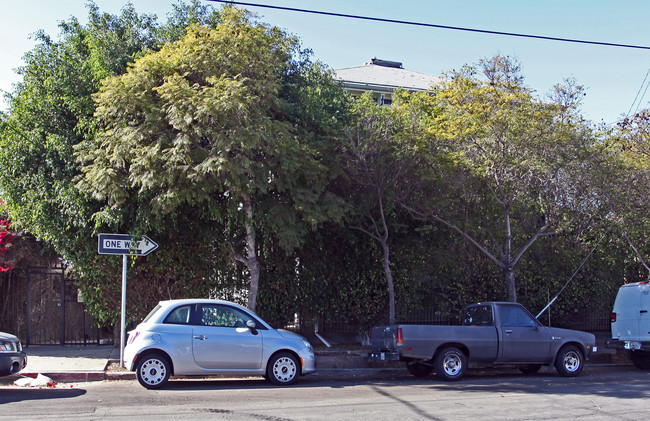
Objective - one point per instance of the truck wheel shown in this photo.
(569, 362)
(153, 371)
(419, 369)
(641, 360)
(530, 368)
(450, 364)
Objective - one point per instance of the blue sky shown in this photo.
(612, 76)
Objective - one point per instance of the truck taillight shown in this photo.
(612, 318)
(400, 338)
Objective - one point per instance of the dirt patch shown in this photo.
(114, 367)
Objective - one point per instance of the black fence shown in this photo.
(42, 307)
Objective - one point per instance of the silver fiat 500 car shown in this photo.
(201, 337)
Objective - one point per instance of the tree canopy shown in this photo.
(226, 122)
(509, 161)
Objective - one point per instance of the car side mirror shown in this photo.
(252, 326)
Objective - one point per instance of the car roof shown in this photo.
(167, 303)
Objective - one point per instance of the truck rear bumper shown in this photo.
(384, 355)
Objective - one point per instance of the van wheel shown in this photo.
(641, 360)
(450, 364)
(419, 369)
(569, 362)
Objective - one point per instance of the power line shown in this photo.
(637, 95)
(431, 25)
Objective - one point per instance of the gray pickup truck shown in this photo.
(492, 333)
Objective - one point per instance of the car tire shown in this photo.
(530, 369)
(419, 369)
(450, 364)
(569, 361)
(283, 369)
(153, 371)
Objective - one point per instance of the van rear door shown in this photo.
(644, 316)
(628, 311)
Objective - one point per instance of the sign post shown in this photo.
(124, 245)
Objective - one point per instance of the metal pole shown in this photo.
(123, 321)
(29, 307)
(62, 313)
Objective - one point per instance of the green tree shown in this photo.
(226, 122)
(503, 168)
(376, 168)
(50, 112)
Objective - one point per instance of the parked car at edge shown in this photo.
(493, 333)
(12, 357)
(630, 323)
(201, 337)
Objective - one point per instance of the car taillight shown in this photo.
(400, 338)
(612, 318)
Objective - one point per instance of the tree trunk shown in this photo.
(389, 280)
(250, 260)
(509, 274)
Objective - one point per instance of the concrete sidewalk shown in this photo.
(71, 362)
(89, 363)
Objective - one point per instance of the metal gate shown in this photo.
(55, 314)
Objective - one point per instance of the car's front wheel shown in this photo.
(283, 369)
(153, 371)
(569, 361)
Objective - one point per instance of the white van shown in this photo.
(631, 322)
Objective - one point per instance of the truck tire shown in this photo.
(641, 360)
(450, 364)
(419, 369)
(569, 361)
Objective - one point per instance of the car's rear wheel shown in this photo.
(152, 371)
(450, 364)
(283, 369)
(569, 361)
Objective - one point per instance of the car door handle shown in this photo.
(643, 311)
(508, 331)
(201, 337)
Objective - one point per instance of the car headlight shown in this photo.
(308, 345)
(6, 346)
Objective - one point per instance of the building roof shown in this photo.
(383, 75)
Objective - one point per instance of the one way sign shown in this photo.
(124, 244)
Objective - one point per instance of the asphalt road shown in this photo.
(601, 393)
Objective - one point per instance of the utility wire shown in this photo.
(637, 95)
(574, 274)
(431, 25)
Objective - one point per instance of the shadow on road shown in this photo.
(28, 394)
(603, 381)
